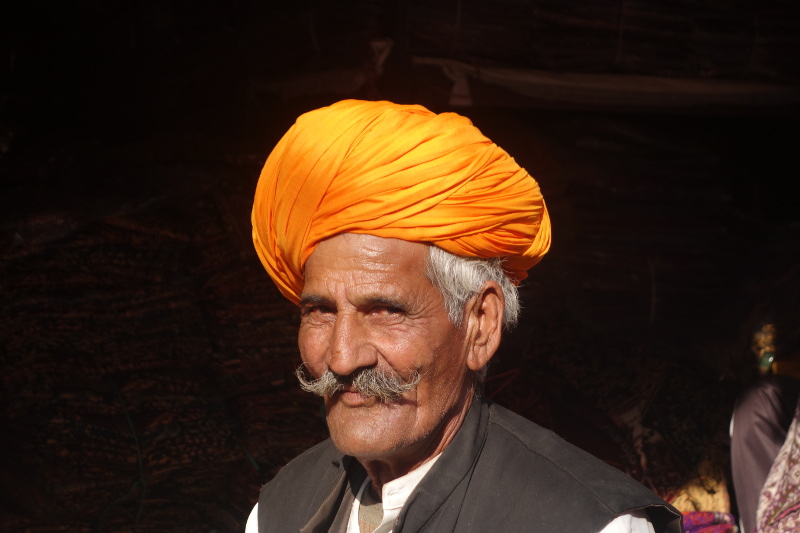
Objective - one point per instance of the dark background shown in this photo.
(145, 356)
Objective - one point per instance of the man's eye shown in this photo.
(388, 310)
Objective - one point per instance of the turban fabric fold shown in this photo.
(396, 171)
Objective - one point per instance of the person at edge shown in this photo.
(402, 235)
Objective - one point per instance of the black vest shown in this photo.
(500, 473)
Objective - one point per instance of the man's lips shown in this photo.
(352, 398)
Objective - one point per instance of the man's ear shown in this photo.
(485, 324)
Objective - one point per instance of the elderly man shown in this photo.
(401, 235)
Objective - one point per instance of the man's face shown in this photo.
(367, 303)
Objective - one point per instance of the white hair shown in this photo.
(460, 278)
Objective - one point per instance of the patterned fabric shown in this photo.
(779, 504)
(708, 522)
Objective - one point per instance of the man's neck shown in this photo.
(382, 471)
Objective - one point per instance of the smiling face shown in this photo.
(368, 303)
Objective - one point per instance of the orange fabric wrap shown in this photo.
(396, 171)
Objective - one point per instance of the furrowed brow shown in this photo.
(384, 301)
(313, 299)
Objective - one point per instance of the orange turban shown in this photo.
(396, 171)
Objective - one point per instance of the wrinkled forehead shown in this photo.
(368, 252)
(367, 247)
(366, 264)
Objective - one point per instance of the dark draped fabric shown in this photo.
(761, 417)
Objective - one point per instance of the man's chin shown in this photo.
(354, 420)
(366, 445)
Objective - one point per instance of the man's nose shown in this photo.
(349, 346)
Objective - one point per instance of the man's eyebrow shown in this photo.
(313, 299)
(384, 301)
(368, 300)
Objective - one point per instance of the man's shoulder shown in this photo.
(300, 488)
(541, 444)
(535, 459)
(321, 456)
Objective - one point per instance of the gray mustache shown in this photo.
(369, 382)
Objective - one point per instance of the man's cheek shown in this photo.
(312, 356)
